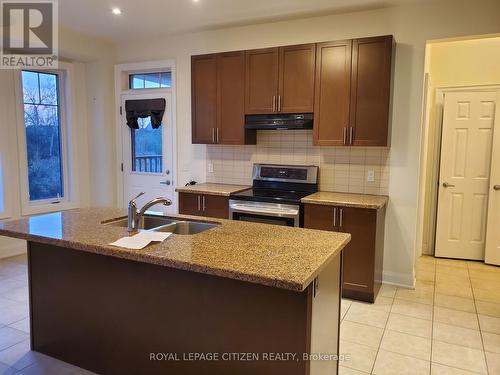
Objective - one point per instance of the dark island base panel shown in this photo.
(108, 315)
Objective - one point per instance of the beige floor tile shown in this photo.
(491, 342)
(437, 369)
(425, 275)
(387, 291)
(487, 295)
(349, 371)
(488, 308)
(356, 356)
(488, 285)
(453, 271)
(454, 289)
(477, 265)
(417, 310)
(426, 259)
(451, 263)
(381, 303)
(446, 278)
(459, 357)
(361, 334)
(389, 363)
(489, 324)
(361, 314)
(457, 335)
(455, 318)
(493, 361)
(455, 303)
(420, 295)
(485, 275)
(402, 343)
(410, 325)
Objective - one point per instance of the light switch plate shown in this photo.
(210, 167)
(370, 176)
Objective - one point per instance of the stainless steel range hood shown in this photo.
(279, 121)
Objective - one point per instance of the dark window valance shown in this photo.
(142, 108)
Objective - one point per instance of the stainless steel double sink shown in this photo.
(165, 224)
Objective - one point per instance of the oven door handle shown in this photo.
(286, 212)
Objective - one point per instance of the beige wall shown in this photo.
(473, 62)
(92, 121)
(411, 25)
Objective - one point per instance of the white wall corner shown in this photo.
(11, 247)
(404, 280)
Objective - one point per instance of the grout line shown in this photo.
(383, 334)
(478, 322)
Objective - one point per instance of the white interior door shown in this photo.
(468, 119)
(148, 156)
(492, 255)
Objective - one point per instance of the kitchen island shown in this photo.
(239, 298)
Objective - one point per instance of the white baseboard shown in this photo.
(12, 250)
(403, 280)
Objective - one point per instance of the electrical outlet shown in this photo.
(210, 167)
(370, 176)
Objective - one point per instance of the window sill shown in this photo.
(48, 208)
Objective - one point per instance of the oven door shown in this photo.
(268, 213)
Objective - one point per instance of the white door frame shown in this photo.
(122, 72)
(436, 147)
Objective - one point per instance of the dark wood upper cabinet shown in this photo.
(353, 87)
(261, 80)
(204, 98)
(218, 99)
(370, 92)
(296, 79)
(280, 79)
(231, 100)
(333, 90)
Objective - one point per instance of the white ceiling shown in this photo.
(145, 18)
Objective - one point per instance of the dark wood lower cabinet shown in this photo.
(363, 256)
(116, 316)
(204, 205)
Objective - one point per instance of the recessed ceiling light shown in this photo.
(195, 1)
(116, 11)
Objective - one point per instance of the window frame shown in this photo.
(136, 73)
(68, 200)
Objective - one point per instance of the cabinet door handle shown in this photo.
(274, 103)
(344, 135)
(334, 217)
(213, 135)
(351, 134)
(341, 218)
(279, 103)
(204, 204)
(199, 202)
(217, 135)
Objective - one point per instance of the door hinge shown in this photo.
(121, 110)
(121, 167)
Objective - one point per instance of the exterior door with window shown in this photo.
(148, 156)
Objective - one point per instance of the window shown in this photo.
(42, 123)
(147, 153)
(150, 80)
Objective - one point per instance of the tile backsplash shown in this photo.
(343, 169)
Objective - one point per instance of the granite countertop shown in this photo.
(283, 257)
(347, 199)
(212, 189)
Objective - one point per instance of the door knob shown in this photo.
(447, 185)
(165, 182)
(496, 187)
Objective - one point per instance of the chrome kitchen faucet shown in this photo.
(135, 215)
